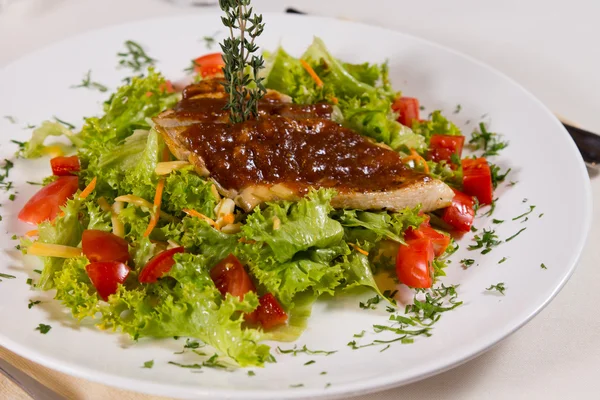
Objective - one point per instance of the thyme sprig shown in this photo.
(244, 89)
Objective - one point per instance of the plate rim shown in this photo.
(351, 388)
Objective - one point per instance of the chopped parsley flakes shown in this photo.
(515, 235)
(6, 276)
(487, 241)
(33, 303)
(370, 303)
(543, 266)
(531, 208)
(148, 364)
(487, 141)
(295, 351)
(499, 287)
(135, 57)
(43, 328)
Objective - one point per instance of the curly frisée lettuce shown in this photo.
(188, 304)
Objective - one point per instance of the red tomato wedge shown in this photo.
(439, 241)
(414, 263)
(159, 265)
(106, 276)
(100, 246)
(209, 65)
(65, 166)
(269, 312)
(477, 179)
(45, 204)
(231, 277)
(460, 213)
(442, 147)
(407, 109)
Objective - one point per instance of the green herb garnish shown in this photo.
(370, 303)
(245, 90)
(299, 385)
(33, 303)
(497, 177)
(87, 82)
(10, 119)
(210, 41)
(6, 276)
(497, 221)
(43, 328)
(295, 351)
(487, 241)
(488, 141)
(135, 57)
(531, 208)
(310, 362)
(457, 109)
(359, 335)
(251, 373)
(65, 123)
(515, 235)
(502, 260)
(543, 266)
(499, 287)
(148, 364)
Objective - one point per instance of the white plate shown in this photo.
(544, 161)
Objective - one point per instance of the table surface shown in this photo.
(548, 46)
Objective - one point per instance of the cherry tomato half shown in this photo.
(104, 246)
(460, 214)
(407, 109)
(209, 65)
(269, 312)
(65, 166)
(442, 147)
(477, 179)
(414, 263)
(45, 204)
(439, 241)
(159, 265)
(106, 276)
(231, 277)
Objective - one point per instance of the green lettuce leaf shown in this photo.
(303, 225)
(35, 146)
(65, 230)
(371, 226)
(185, 189)
(297, 256)
(188, 304)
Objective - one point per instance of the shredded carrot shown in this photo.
(312, 73)
(156, 209)
(361, 251)
(88, 189)
(166, 155)
(194, 213)
(334, 100)
(33, 232)
(244, 240)
(414, 156)
(228, 219)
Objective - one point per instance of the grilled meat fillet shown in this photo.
(281, 156)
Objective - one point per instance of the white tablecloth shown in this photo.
(549, 46)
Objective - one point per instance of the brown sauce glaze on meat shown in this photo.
(298, 152)
(211, 109)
